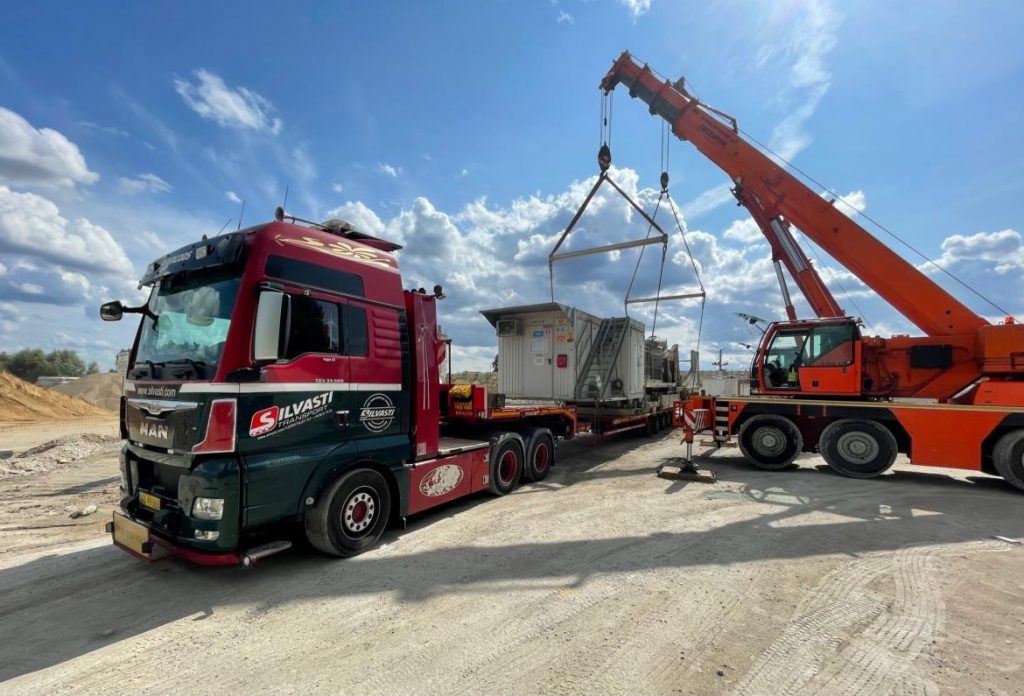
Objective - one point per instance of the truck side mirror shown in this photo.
(111, 311)
(269, 329)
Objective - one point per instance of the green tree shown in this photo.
(94, 368)
(29, 364)
(66, 363)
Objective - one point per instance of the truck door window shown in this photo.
(314, 327)
(357, 340)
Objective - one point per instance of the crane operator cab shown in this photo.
(809, 357)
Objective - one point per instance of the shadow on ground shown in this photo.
(58, 607)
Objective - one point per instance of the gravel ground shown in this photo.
(602, 579)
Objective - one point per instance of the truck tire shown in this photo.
(770, 442)
(540, 455)
(857, 448)
(352, 514)
(1008, 458)
(506, 465)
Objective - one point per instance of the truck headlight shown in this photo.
(208, 508)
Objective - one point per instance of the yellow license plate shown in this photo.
(149, 500)
(131, 535)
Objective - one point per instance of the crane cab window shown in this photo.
(782, 359)
(830, 346)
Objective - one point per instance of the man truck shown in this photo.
(281, 379)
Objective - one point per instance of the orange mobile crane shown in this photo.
(953, 397)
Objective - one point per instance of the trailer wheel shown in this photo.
(506, 466)
(770, 442)
(858, 448)
(352, 514)
(540, 455)
(1008, 457)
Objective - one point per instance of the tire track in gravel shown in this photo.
(621, 599)
(851, 638)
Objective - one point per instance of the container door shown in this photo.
(541, 359)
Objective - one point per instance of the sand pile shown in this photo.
(62, 453)
(103, 389)
(21, 401)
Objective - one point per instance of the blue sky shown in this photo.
(468, 131)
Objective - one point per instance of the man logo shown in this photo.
(377, 413)
(156, 430)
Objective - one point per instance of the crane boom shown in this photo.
(922, 301)
(788, 252)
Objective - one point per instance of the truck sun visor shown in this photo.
(208, 253)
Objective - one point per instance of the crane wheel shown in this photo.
(858, 448)
(540, 455)
(1008, 458)
(770, 442)
(352, 514)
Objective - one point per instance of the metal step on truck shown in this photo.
(282, 384)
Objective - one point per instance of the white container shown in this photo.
(543, 350)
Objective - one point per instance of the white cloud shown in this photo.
(237, 107)
(745, 230)
(636, 7)
(1000, 251)
(337, 188)
(143, 183)
(232, 196)
(812, 37)
(364, 219)
(32, 226)
(106, 130)
(31, 156)
(848, 204)
(708, 201)
(565, 17)
(463, 173)
(807, 41)
(388, 170)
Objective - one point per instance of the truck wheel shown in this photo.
(1008, 457)
(857, 448)
(540, 455)
(352, 514)
(770, 442)
(506, 466)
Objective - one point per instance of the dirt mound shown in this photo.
(103, 389)
(21, 401)
(61, 453)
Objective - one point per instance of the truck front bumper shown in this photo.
(142, 542)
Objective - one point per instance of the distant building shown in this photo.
(121, 362)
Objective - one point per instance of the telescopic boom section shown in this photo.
(788, 252)
(919, 299)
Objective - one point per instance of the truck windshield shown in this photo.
(187, 325)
